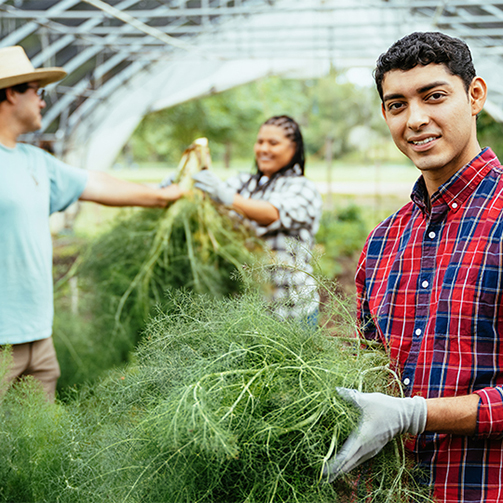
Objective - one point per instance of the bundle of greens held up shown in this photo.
(193, 244)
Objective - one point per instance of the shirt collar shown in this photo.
(293, 171)
(296, 170)
(454, 192)
(8, 149)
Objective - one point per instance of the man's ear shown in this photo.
(477, 94)
(10, 95)
(383, 110)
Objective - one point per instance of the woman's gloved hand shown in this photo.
(168, 180)
(214, 187)
(382, 418)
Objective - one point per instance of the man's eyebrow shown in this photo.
(421, 90)
(395, 96)
(428, 87)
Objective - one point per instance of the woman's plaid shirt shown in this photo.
(291, 237)
(430, 286)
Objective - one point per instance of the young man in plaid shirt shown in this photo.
(430, 280)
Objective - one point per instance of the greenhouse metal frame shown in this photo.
(127, 58)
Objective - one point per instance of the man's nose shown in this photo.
(417, 116)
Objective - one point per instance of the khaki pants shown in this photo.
(38, 359)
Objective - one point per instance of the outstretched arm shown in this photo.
(261, 212)
(105, 189)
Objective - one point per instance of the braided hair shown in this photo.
(291, 131)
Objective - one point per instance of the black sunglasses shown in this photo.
(40, 91)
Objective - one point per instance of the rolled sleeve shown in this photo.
(67, 183)
(490, 413)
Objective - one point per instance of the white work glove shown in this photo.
(214, 187)
(382, 418)
(168, 180)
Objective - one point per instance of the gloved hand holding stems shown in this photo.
(382, 418)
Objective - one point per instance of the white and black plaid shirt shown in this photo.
(291, 237)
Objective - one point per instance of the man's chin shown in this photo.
(34, 128)
(426, 162)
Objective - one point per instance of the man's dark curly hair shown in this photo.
(422, 49)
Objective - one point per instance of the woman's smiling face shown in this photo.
(273, 150)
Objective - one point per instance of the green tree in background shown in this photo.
(490, 133)
(324, 108)
(336, 108)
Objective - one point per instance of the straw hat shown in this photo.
(16, 68)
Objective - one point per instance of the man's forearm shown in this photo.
(454, 415)
(105, 189)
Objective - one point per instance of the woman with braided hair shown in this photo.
(283, 207)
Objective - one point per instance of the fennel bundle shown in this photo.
(193, 244)
(222, 403)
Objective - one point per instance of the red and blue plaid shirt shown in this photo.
(430, 286)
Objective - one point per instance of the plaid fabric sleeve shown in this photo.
(298, 202)
(238, 181)
(490, 413)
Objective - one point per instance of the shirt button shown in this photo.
(424, 284)
(431, 234)
(454, 205)
(406, 381)
(418, 331)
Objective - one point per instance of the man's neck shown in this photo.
(8, 138)
(433, 179)
(10, 128)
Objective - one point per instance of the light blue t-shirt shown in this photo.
(33, 184)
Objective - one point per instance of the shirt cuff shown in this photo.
(490, 413)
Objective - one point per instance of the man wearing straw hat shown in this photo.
(430, 280)
(34, 184)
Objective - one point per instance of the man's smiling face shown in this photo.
(432, 118)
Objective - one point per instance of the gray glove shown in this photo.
(168, 180)
(214, 187)
(382, 418)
